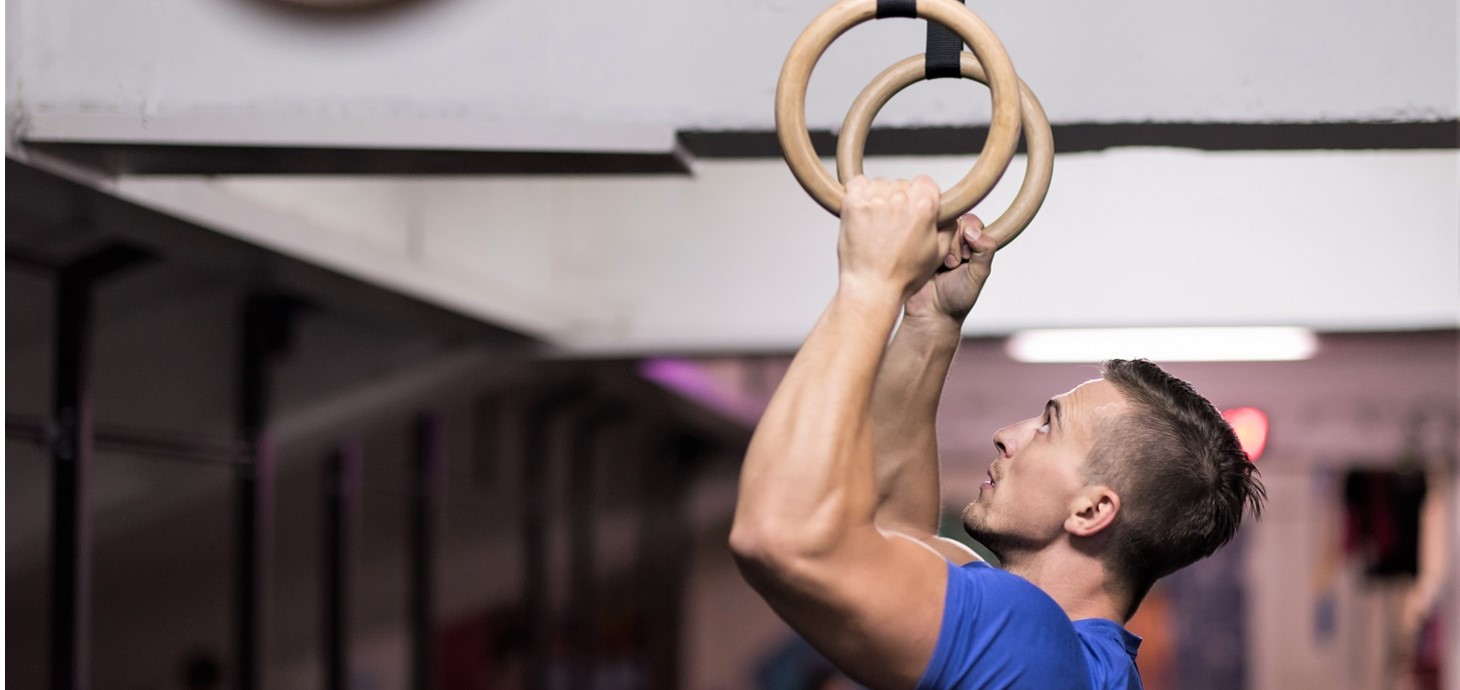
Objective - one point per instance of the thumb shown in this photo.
(979, 266)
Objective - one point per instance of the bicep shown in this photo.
(873, 606)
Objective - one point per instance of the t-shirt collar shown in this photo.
(1127, 639)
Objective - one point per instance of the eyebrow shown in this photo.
(1055, 406)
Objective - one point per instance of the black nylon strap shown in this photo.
(941, 58)
(897, 8)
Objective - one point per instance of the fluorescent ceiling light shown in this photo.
(1163, 344)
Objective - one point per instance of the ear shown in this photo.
(1094, 510)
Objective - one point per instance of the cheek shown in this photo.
(1038, 495)
(1050, 478)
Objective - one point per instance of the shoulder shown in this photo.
(1110, 652)
(999, 630)
(1003, 595)
(982, 575)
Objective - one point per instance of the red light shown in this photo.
(1250, 424)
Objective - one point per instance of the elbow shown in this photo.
(761, 550)
(784, 561)
(766, 538)
(749, 544)
(767, 564)
(772, 549)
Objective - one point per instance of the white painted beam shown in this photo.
(234, 128)
(479, 294)
(741, 259)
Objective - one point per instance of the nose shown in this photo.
(1006, 442)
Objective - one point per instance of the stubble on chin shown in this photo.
(976, 525)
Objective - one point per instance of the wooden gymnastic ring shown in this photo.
(1040, 141)
(1003, 135)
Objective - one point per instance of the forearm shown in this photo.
(808, 475)
(904, 418)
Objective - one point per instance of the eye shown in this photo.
(1044, 428)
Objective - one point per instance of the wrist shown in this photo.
(879, 299)
(870, 291)
(938, 326)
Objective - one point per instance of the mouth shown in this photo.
(990, 483)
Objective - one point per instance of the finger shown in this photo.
(859, 189)
(926, 191)
(964, 250)
(949, 241)
(979, 241)
(982, 247)
(965, 222)
(925, 184)
(879, 190)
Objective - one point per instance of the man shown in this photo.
(1114, 484)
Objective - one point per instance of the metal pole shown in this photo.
(587, 441)
(534, 544)
(664, 550)
(537, 457)
(71, 449)
(580, 555)
(131, 441)
(267, 321)
(429, 463)
(71, 462)
(341, 480)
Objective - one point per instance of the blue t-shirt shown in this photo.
(1000, 631)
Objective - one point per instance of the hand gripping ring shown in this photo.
(1037, 136)
(1003, 134)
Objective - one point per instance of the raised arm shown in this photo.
(910, 384)
(804, 534)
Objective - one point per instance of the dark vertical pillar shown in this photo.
(429, 464)
(342, 485)
(585, 444)
(267, 322)
(662, 561)
(488, 422)
(537, 448)
(538, 451)
(71, 447)
(71, 464)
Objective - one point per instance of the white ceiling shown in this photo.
(733, 256)
(695, 64)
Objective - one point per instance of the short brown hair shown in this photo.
(1181, 473)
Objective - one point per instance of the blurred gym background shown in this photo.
(415, 343)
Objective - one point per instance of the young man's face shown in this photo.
(1036, 475)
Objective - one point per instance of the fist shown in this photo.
(967, 262)
(888, 232)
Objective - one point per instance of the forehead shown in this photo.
(1090, 401)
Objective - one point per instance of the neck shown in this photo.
(1076, 581)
